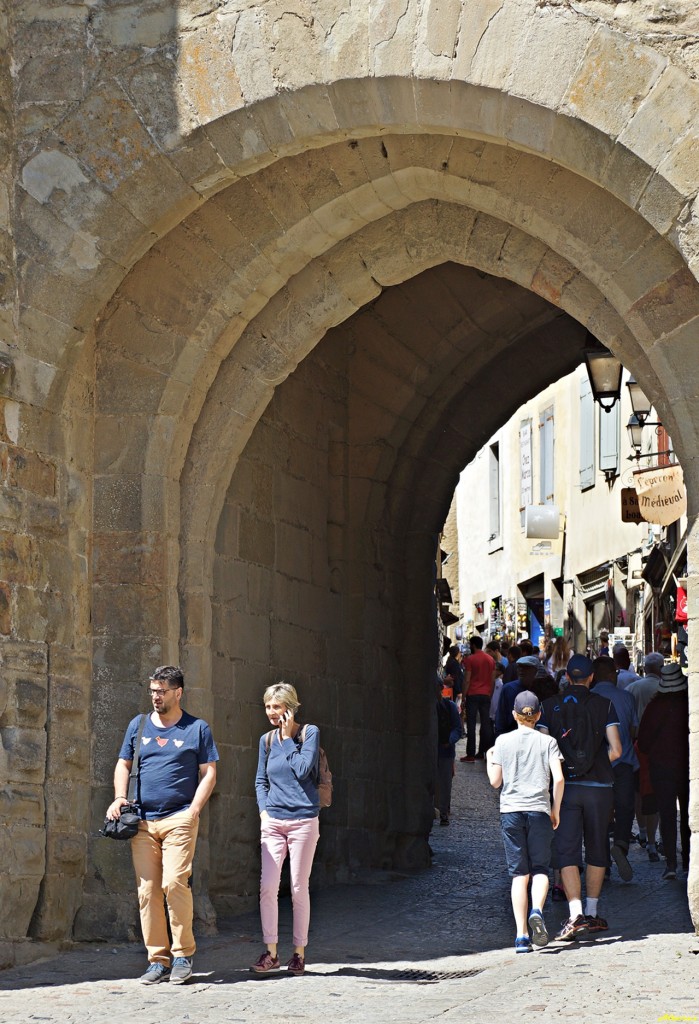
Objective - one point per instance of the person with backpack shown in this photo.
(587, 730)
(289, 801)
(448, 735)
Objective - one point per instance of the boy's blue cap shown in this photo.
(527, 704)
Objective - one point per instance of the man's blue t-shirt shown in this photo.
(168, 770)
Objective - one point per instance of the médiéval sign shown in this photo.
(662, 497)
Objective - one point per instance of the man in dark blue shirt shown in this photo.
(176, 776)
(583, 719)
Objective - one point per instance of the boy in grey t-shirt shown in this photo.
(524, 762)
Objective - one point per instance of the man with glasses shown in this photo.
(176, 776)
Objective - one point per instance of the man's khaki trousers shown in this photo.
(162, 854)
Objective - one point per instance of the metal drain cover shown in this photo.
(416, 975)
(424, 977)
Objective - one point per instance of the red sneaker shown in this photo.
(297, 964)
(265, 962)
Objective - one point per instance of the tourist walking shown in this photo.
(524, 763)
(448, 735)
(286, 785)
(586, 728)
(479, 683)
(663, 736)
(625, 768)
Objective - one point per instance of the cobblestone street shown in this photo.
(365, 939)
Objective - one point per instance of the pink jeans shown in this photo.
(298, 837)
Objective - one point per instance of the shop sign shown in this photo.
(662, 497)
(525, 463)
(630, 509)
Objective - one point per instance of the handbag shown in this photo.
(126, 825)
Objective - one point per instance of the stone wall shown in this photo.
(278, 613)
(196, 194)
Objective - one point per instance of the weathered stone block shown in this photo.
(66, 851)
(613, 80)
(16, 656)
(29, 703)
(5, 609)
(128, 557)
(68, 748)
(293, 546)
(248, 634)
(23, 754)
(256, 539)
(115, 915)
(19, 901)
(129, 610)
(59, 900)
(67, 802)
(22, 805)
(29, 471)
(22, 851)
(19, 558)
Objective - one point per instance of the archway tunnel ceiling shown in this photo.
(436, 365)
(225, 306)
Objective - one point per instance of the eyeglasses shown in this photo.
(160, 693)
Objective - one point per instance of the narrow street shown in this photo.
(437, 945)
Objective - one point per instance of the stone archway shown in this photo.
(170, 282)
(438, 224)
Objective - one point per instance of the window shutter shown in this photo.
(587, 434)
(494, 468)
(609, 439)
(546, 456)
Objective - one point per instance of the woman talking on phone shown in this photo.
(287, 798)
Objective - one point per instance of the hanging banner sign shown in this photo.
(630, 510)
(662, 497)
(525, 463)
(681, 605)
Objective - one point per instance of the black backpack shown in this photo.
(570, 722)
(443, 722)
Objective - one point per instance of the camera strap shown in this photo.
(133, 777)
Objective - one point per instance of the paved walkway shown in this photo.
(452, 924)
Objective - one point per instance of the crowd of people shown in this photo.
(581, 748)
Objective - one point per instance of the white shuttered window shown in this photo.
(587, 435)
(546, 456)
(494, 481)
(609, 440)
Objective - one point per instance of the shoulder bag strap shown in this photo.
(133, 777)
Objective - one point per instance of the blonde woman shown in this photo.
(287, 798)
(560, 656)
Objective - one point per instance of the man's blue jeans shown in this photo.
(475, 707)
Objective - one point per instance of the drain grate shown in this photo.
(416, 975)
(423, 977)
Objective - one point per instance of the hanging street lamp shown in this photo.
(604, 371)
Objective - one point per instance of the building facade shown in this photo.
(564, 454)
